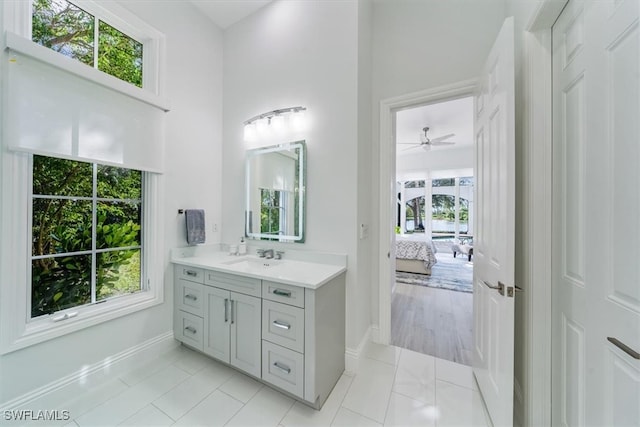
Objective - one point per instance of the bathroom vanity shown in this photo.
(280, 321)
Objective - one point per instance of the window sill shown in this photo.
(48, 56)
(46, 328)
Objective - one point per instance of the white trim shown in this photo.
(375, 333)
(27, 47)
(537, 145)
(352, 355)
(387, 183)
(119, 362)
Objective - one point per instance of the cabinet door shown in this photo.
(217, 320)
(246, 328)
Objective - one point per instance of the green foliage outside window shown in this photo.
(68, 198)
(270, 210)
(65, 28)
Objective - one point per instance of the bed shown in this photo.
(415, 254)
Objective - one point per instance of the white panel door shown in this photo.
(596, 214)
(493, 272)
(246, 333)
(217, 318)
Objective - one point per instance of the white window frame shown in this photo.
(17, 36)
(17, 329)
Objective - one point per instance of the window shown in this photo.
(64, 27)
(82, 218)
(86, 227)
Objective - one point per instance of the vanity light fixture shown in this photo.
(275, 120)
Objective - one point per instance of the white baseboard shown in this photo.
(375, 334)
(352, 355)
(111, 365)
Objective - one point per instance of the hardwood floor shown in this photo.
(433, 321)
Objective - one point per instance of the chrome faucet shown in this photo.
(265, 253)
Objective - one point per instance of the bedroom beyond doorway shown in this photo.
(432, 299)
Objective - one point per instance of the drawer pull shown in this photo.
(191, 273)
(281, 325)
(190, 329)
(283, 368)
(226, 310)
(282, 293)
(191, 297)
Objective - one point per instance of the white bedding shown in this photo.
(416, 247)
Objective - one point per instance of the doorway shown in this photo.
(432, 291)
(387, 201)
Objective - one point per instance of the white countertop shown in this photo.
(297, 272)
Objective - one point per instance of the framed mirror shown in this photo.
(275, 192)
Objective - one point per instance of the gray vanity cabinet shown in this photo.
(288, 336)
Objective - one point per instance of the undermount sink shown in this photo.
(254, 263)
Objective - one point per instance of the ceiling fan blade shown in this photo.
(411, 148)
(408, 143)
(442, 143)
(442, 138)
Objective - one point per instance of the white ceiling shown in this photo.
(225, 13)
(443, 118)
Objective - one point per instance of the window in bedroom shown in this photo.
(68, 29)
(86, 234)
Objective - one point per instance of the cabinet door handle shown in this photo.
(283, 368)
(191, 297)
(282, 293)
(281, 325)
(226, 310)
(191, 273)
(190, 329)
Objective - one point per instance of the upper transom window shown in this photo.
(66, 28)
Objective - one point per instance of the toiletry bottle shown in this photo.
(242, 247)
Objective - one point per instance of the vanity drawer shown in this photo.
(190, 273)
(233, 283)
(283, 368)
(189, 297)
(283, 325)
(189, 329)
(288, 294)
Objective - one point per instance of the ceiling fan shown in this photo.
(426, 142)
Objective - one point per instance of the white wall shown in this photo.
(192, 179)
(304, 53)
(366, 263)
(420, 45)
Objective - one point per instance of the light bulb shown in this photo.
(250, 132)
(262, 125)
(298, 120)
(277, 123)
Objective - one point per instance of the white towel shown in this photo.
(195, 226)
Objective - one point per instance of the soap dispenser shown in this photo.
(242, 247)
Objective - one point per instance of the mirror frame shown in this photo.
(299, 237)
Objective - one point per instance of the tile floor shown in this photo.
(395, 387)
